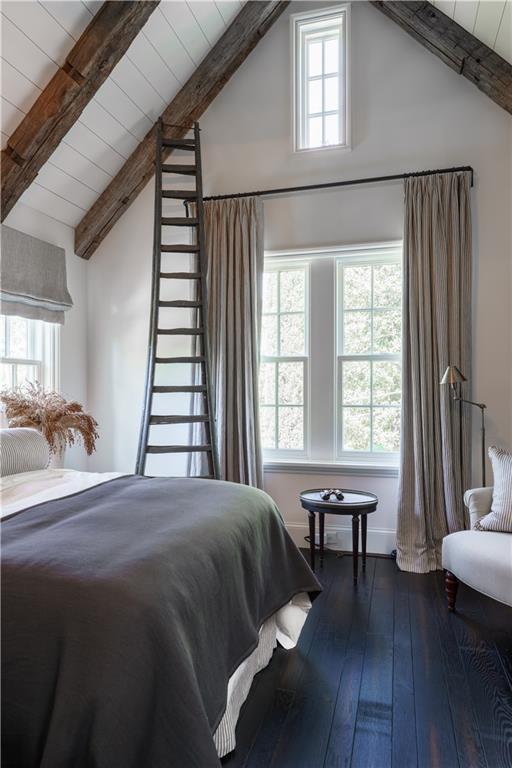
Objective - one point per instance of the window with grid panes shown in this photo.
(369, 366)
(28, 350)
(320, 78)
(284, 362)
(330, 381)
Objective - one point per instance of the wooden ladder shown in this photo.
(200, 356)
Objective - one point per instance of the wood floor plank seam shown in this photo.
(438, 604)
(349, 633)
(472, 627)
(362, 666)
(438, 746)
(326, 576)
(328, 596)
(442, 697)
(376, 720)
(401, 601)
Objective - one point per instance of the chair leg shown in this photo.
(451, 585)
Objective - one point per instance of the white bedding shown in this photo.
(30, 488)
(27, 489)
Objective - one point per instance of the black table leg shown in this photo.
(355, 544)
(321, 526)
(311, 516)
(364, 520)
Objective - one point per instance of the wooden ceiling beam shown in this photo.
(252, 22)
(61, 103)
(454, 45)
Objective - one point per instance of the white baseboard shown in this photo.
(380, 541)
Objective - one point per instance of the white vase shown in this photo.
(57, 459)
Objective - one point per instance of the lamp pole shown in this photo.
(482, 407)
(454, 378)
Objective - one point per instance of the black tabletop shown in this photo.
(353, 501)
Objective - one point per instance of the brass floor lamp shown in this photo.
(454, 378)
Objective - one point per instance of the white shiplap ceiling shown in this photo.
(37, 36)
(35, 40)
(489, 20)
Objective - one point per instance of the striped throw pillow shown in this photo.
(500, 516)
(22, 450)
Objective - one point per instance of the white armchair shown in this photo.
(480, 559)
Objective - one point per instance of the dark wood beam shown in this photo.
(454, 45)
(252, 22)
(57, 108)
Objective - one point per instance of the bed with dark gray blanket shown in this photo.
(126, 608)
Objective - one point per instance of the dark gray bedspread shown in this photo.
(126, 608)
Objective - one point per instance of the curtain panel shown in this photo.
(435, 445)
(33, 278)
(234, 254)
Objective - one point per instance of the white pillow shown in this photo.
(500, 516)
(22, 450)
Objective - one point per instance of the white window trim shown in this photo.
(362, 258)
(310, 467)
(357, 464)
(297, 65)
(282, 453)
(48, 366)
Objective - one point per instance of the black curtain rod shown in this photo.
(346, 183)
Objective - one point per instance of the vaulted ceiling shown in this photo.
(489, 21)
(37, 37)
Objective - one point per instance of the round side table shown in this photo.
(358, 504)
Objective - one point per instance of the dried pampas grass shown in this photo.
(62, 422)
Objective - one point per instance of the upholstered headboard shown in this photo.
(22, 450)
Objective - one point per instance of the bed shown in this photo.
(136, 612)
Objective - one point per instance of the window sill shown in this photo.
(323, 148)
(350, 469)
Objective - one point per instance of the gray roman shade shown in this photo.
(33, 278)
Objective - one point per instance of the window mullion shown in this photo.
(323, 92)
(312, 32)
(372, 316)
(276, 412)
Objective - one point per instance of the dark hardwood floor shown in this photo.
(384, 676)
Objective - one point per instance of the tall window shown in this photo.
(284, 365)
(330, 385)
(369, 379)
(320, 78)
(28, 350)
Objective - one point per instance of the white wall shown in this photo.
(73, 347)
(409, 112)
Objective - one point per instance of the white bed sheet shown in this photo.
(27, 489)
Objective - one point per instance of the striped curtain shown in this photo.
(234, 252)
(435, 444)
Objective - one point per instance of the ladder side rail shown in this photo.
(201, 239)
(140, 466)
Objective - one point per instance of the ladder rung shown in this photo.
(180, 331)
(181, 275)
(179, 248)
(166, 360)
(179, 303)
(180, 194)
(178, 448)
(179, 143)
(183, 170)
(179, 221)
(177, 419)
(172, 389)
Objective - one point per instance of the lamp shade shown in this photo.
(452, 376)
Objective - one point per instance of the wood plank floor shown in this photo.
(384, 676)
